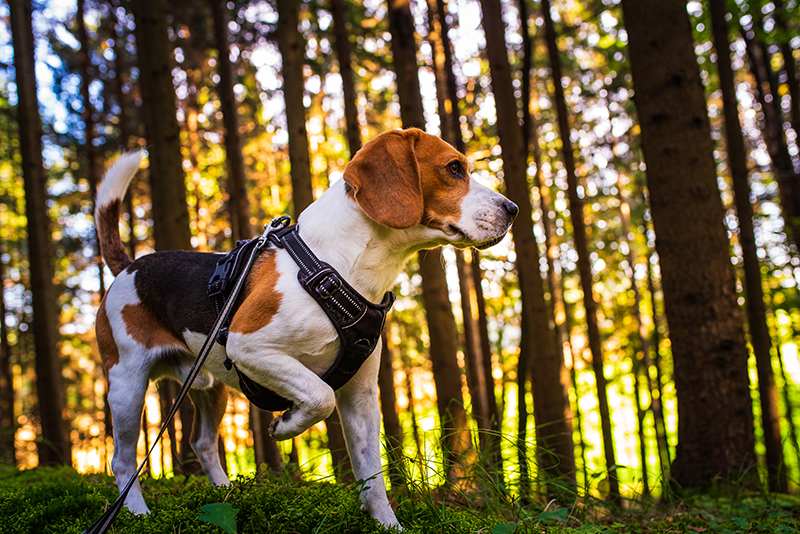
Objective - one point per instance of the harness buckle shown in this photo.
(328, 286)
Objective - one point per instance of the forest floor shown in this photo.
(59, 500)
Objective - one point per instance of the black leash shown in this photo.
(104, 522)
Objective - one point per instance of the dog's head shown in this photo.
(405, 178)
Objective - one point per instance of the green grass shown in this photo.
(59, 500)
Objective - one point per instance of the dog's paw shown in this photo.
(281, 428)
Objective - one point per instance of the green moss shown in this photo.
(59, 500)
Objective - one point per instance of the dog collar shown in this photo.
(358, 322)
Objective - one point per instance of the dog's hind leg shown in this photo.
(209, 404)
(126, 393)
(357, 402)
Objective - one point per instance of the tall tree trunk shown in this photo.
(92, 168)
(448, 110)
(441, 323)
(291, 47)
(658, 388)
(538, 347)
(472, 266)
(346, 72)
(392, 429)
(239, 205)
(756, 310)
(167, 179)
(715, 419)
(8, 422)
(774, 136)
(54, 447)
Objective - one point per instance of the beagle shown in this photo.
(404, 191)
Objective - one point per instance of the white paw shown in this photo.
(281, 427)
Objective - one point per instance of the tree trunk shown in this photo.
(346, 72)
(239, 205)
(448, 109)
(715, 420)
(92, 168)
(787, 179)
(789, 64)
(658, 388)
(538, 348)
(8, 421)
(756, 310)
(392, 429)
(167, 179)
(441, 323)
(54, 447)
(291, 47)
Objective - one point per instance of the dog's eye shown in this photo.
(455, 168)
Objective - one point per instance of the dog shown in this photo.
(404, 191)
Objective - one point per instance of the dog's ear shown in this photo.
(385, 177)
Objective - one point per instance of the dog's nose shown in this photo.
(511, 208)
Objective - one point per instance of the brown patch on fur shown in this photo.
(146, 330)
(386, 181)
(401, 179)
(443, 191)
(109, 352)
(111, 247)
(261, 301)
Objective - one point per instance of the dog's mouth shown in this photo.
(480, 246)
(490, 243)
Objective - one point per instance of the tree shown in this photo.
(346, 72)
(237, 181)
(291, 48)
(755, 307)
(442, 333)
(715, 421)
(54, 447)
(8, 423)
(171, 229)
(538, 344)
(167, 180)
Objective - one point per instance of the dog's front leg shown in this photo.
(360, 414)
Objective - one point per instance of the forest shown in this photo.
(635, 335)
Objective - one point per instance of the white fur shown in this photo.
(118, 178)
(299, 343)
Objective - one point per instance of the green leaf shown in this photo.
(559, 514)
(739, 522)
(221, 514)
(504, 528)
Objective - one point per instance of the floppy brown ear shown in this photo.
(386, 179)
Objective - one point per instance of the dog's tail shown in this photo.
(106, 213)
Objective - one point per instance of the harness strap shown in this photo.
(358, 322)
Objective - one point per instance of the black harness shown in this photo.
(357, 321)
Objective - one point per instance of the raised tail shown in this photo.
(106, 213)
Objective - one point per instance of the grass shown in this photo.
(59, 500)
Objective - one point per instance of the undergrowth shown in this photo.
(59, 500)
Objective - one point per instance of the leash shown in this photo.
(102, 524)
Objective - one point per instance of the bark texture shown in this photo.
(292, 49)
(715, 421)
(346, 72)
(755, 308)
(540, 358)
(239, 205)
(441, 323)
(167, 179)
(54, 446)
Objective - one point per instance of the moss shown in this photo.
(59, 500)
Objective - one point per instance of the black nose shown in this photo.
(511, 208)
